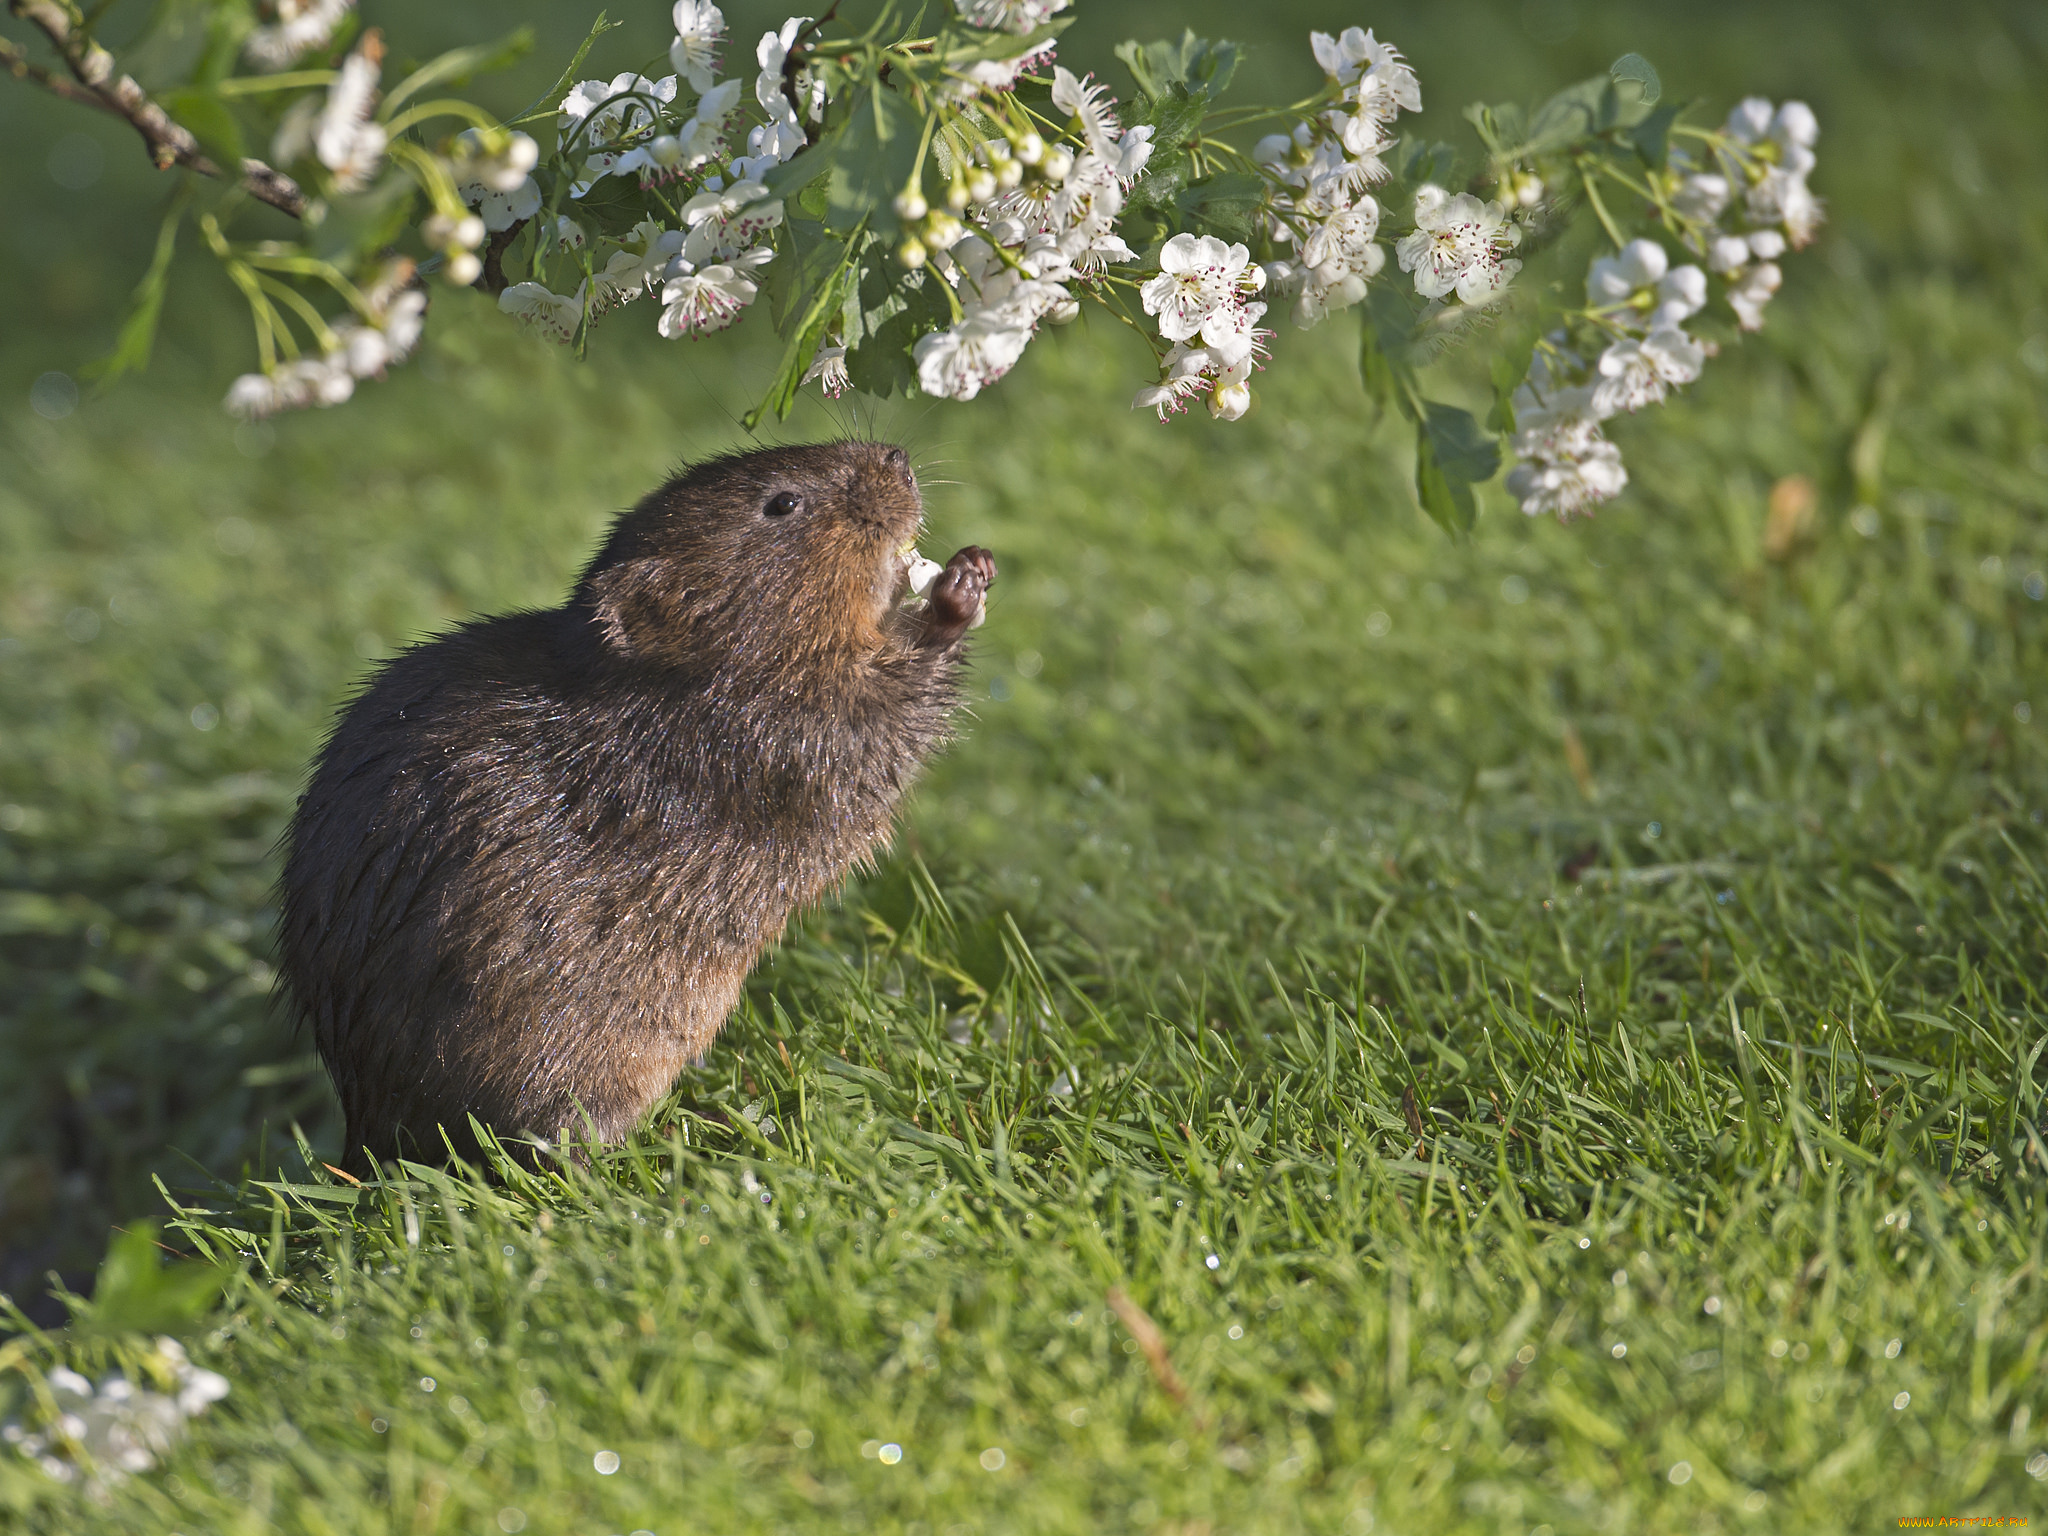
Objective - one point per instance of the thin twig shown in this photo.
(493, 279)
(99, 85)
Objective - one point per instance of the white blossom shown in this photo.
(503, 169)
(1457, 246)
(640, 263)
(1567, 466)
(1752, 291)
(555, 316)
(1093, 105)
(1018, 16)
(1681, 293)
(991, 76)
(344, 138)
(301, 26)
(501, 210)
(1616, 279)
(599, 115)
(1702, 196)
(1232, 396)
(782, 136)
(697, 302)
(1637, 372)
(724, 223)
(828, 369)
(1372, 72)
(694, 53)
(1569, 487)
(1337, 258)
(1780, 145)
(961, 361)
(1197, 277)
(1186, 372)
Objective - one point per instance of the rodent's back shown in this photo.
(538, 856)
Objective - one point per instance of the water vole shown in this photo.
(538, 855)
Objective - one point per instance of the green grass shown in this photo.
(1690, 902)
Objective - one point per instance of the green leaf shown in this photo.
(460, 64)
(876, 153)
(1416, 162)
(1652, 134)
(807, 335)
(1634, 67)
(1577, 112)
(1226, 205)
(1193, 63)
(136, 1292)
(1509, 368)
(1501, 128)
(1452, 454)
(881, 364)
(203, 110)
(145, 308)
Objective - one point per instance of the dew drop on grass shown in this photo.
(1899, 1402)
(992, 1459)
(606, 1463)
(1213, 1262)
(889, 1454)
(1620, 1351)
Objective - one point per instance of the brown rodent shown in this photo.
(539, 855)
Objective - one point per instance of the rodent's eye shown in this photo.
(782, 503)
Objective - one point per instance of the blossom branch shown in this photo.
(99, 85)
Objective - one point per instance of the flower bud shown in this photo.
(956, 196)
(981, 186)
(1009, 174)
(911, 254)
(942, 231)
(1057, 162)
(1030, 148)
(469, 232)
(910, 204)
(1227, 402)
(463, 269)
(438, 230)
(1063, 311)
(666, 151)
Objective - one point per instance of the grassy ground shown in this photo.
(1548, 1030)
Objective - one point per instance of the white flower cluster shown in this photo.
(1325, 166)
(301, 26)
(392, 315)
(705, 271)
(1203, 297)
(119, 1428)
(1038, 218)
(1767, 155)
(1639, 303)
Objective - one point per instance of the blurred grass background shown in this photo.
(1238, 703)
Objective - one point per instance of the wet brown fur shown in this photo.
(539, 855)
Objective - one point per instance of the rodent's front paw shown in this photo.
(958, 597)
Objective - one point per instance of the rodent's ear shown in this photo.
(623, 599)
